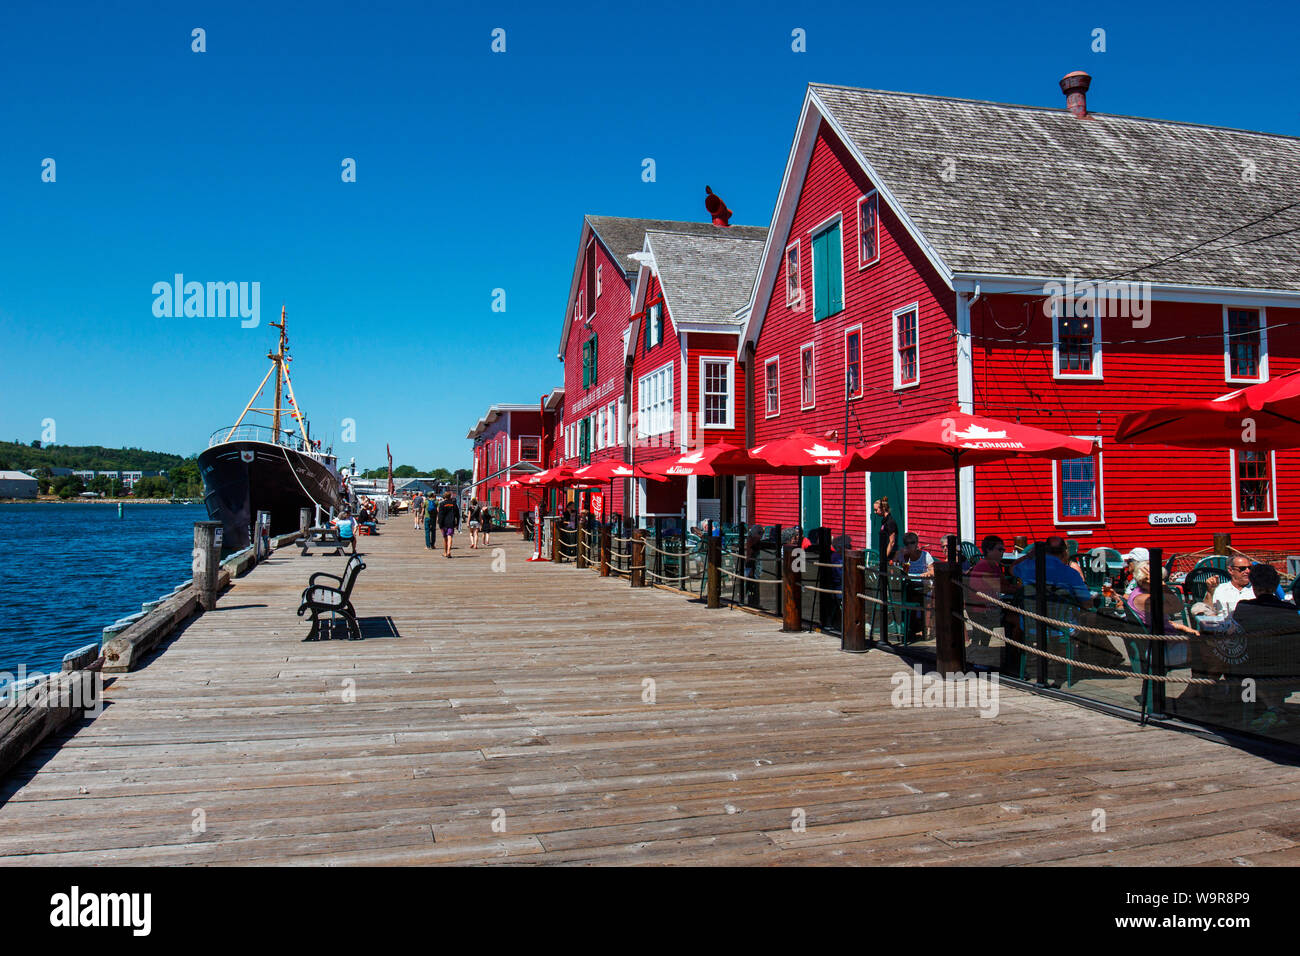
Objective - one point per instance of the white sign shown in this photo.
(1170, 517)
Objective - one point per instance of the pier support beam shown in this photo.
(207, 562)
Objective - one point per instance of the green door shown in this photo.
(810, 508)
(891, 485)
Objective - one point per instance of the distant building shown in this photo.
(86, 476)
(17, 484)
(60, 472)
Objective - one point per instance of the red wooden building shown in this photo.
(594, 339)
(929, 253)
(509, 442)
(686, 386)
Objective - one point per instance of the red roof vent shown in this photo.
(1075, 87)
(717, 209)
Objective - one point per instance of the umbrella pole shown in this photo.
(956, 484)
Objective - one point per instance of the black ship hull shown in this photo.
(241, 478)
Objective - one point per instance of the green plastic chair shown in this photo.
(969, 551)
(905, 599)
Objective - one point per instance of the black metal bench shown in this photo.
(327, 539)
(321, 599)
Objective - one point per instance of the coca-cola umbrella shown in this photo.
(799, 454)
(956, 439)
(1260, 416)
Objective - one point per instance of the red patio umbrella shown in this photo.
(608, 471)
(1273, 407)
(798, 454)
(719, 458)
(955, 439)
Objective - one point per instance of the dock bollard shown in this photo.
(713, 557)
(636, 574)
(853, 619)
(792, 618)
(605, 544)
(207, 561)
(949, 634)
(304, 521)
(262, 543)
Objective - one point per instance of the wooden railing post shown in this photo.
(636, 562)
(714, 567)
(207, 562)
(853, 631)
(304, 521)
(949, 642)
(605, 544)
(581, 550)
(1040, 606)
(557, 524)
(792, 619)
(1156, 610)
(1222, 542)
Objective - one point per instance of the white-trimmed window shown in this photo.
(868, 229)
(772, 386)
(793, 278)
(654, 402)
(530, 448)
(1076, 340)
(654, 325)
(907, 346)
(1077, 488)
(853, 362)
(1245, 345)
(598, 269)
(807, 378)
(716, 377)
(611, 424)
(1254, 485)
(598, 426)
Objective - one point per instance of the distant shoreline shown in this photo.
(52, 500)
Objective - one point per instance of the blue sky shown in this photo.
(473, 172)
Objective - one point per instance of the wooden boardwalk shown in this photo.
(516, 698)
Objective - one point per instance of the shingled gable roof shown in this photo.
(705, 279)
(1036, 192)
(622, 237)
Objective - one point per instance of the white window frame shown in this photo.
(657, 328)
(598, 431)
(768, 413)
(899, 385)
(797, 300)
(863, 265)
(1095, 375)
(821, 227)
(862, 388)
(538, 439)
(1101, 491)
(611, 424)
(730, 393)
(812, 376)
(598, 268)
(665, 406)
(1263, 350)
(1232, 464)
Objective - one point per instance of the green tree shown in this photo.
(68, 486)
(101, 484)
(152, 487)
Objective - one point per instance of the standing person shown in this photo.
(475, 516)
(487, 525)
(448, 520)
(430, 507)
(888, 529)
(417, 511)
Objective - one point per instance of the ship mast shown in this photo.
(278, 359)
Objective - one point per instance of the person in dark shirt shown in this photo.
(888, 530)
(1269, 627)
(448, 521)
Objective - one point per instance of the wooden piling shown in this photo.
(949, 633)
(605, 545)
(1222, 542)
(636, 562)
(792, 617)
(207, 561)
(853, 630)
(714, 567)
(304, 521)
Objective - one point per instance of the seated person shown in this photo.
(1139, 601)
(1268, 627)
(985, 577)
(1237, 587)
(1059, 575)
(916, 561)
(1267, 612)
(346, 526)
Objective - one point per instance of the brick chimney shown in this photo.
(1075, 87)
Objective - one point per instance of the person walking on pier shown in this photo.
(475, 518)
(486, 521)
(448, 520)
(430, 506)
(417, 510)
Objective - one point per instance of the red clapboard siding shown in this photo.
(665, 445)
(1014, 379)
(699, 345)
(613, 309)
(900, 277)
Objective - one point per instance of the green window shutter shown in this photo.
(834, 272)
(586, 364)
(584, 440)
(645, 338)
(595, 351)
(821, 278)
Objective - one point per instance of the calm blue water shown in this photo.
(67, 570)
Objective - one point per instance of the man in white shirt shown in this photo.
(1237, 587)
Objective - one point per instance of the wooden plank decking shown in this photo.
(521, 692)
